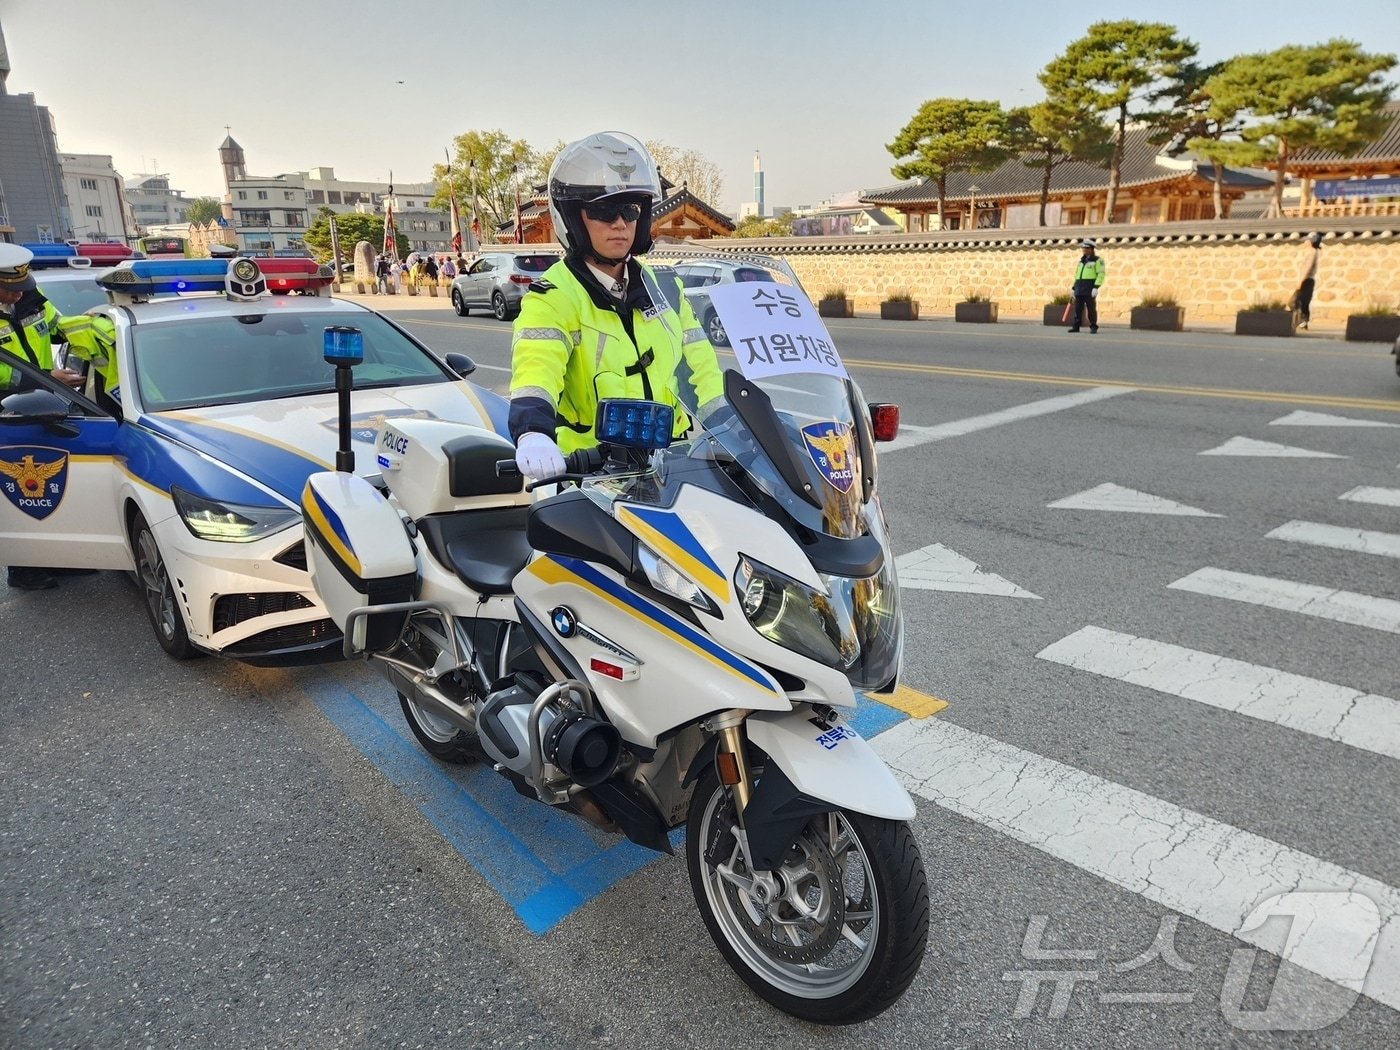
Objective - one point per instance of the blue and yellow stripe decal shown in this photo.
(664, 532)
(329, 528)
(557, 568)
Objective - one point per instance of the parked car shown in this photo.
(191, 473)
(698, 276)
(497, 281)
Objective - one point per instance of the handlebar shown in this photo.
(578, 465)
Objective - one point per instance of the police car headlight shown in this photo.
(229, 522)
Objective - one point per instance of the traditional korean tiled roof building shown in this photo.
(681, 216)
(1366, 182)
(1155, 187)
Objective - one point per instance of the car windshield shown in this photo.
(535, 263)
(260, 357)
(73, 297)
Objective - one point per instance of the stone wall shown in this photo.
(1212, 269)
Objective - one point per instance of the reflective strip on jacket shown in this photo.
(571, 352)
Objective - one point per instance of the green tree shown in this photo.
(1119, 68)
(1194, 120)
(1053, 132)
(758, 226)
(203, 210)
(948, 135)
(353, 227)
(1327, 96)
(498, 164)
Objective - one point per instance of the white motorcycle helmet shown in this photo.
(608, 164)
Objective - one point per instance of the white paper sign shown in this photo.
(774, 330)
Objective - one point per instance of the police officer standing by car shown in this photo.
(599, 323)
(29, 327)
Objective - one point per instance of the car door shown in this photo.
(60, 466)
(479, 287)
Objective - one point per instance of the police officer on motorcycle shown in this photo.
(600, 323)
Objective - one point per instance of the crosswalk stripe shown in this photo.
(1362, 610)
(1358, 541)
(1372, 494)
(1183, 860)
(1334, 712)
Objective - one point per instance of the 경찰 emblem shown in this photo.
(829, 445)
(34, 478)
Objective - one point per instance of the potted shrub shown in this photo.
(1055, 313)
(1266, 317)
(1157, 313)
(1378, 323)
(975, 309)
(834, 303)
(900, 306)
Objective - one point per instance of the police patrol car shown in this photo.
(190, 472)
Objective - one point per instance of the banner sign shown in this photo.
(1357, 188)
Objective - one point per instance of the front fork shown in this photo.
(731, 759)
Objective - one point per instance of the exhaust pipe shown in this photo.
(427, 695)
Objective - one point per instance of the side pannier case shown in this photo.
(358, 554)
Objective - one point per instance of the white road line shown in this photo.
(1371, 494)
(1333, 712)
(1116, 498)
(1216, 873)
(937, 568)
(1243, 446)
(959, 427)
(1322, 419)
(1359, 541)
(1363, 610)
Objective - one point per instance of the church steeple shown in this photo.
(231, 157)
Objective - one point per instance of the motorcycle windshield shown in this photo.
(786, 426)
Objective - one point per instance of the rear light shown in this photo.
(521, 278)
(884, 421)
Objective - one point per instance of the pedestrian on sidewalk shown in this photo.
(449, 270)
(396, 275)
(381, 271)
(430, 270)
(1088, 279)
(1307, 277)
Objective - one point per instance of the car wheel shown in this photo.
(457, 304)
(714, 329)
(500, 309)
(162, 606)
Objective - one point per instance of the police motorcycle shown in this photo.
(673, 640)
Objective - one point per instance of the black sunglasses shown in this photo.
(608, 211)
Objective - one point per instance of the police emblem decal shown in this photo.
(34, 478)
(829, 445)
(564, 621)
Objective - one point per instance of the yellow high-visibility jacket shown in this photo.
(574, 345)
(36, 325)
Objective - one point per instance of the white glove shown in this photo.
(1094, 294)
(538, 456)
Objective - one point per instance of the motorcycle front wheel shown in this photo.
(838, 934)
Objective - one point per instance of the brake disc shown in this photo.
(809, 873)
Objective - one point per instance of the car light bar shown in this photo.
(48, 256)
(240, 278)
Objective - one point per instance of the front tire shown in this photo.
(845, 936)
(162, 605)
(458, 306)
(714, 330)
(437, 736)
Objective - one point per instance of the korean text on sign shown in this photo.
(774, 330)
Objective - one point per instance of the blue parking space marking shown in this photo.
(544, 864)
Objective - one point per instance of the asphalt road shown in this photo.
(207, 854)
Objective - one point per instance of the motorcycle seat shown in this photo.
(485, 548)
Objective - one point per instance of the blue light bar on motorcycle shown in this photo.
(48, 256)
(163, 276)
(634, 424)
(343, 345)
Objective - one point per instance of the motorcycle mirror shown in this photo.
(461, 364)
(884, 421)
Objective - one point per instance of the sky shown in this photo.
(819, 87)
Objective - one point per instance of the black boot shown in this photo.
(28, 578)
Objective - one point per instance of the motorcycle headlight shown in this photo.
(795, 616)
(229, 522)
